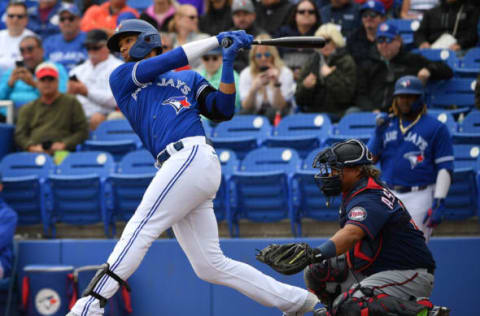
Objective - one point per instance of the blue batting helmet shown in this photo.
(148, 38)
(410, 85)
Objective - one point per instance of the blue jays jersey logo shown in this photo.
(178, 103)
(414, 157)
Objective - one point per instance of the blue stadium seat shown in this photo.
(407, 30)
(6, 138)
(359, 125)
(261, 188)
(469, 65)
(308, 201)
(207, 127)
(79, 193)
(446, 55)
(221, 203)
(114, 136)
(241, 134)
(462, 198)
(140, 5)
(134, 173)
(468, 130)
(453, 93)
(302, 132)
(466, 156)
(445, 117)
(24, 187)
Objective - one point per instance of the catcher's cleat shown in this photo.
(321, 312)
(308, 306)
(439, 311)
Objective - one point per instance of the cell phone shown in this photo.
(19, 63)
(263, 68)
(73, 78)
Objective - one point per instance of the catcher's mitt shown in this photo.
(288, 258)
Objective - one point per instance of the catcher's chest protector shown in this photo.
(47, 290)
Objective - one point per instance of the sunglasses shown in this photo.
(18, 16)
(266, 55)
(69, 19)
(210, 57)
(302, 12)
(27, 49)
(47, 79)
(93, 47)
(370, 14)
(384, 39)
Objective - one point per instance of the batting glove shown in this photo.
(240, 39)
(435, 214)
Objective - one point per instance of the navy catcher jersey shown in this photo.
(162, 111)
(374, 209)
(414, 158)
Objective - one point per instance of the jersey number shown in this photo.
(388, 198)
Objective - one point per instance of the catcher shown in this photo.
(378, 262)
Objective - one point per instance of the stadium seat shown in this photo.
(462, 198)
(241, 134)
(79, 193)
(446, 55)
(466, 156)
(221, 203)
(407, 30)
(8, 291)
(445, 117)
(139, 5)
(308, 201)
(359, 125)
(453, 93)
(6, 138)
(469, 65)
(25, 190)
(468, 130)
(134, 173)
(114, 136)
(302, 132)
(260, 190)
(207, 127)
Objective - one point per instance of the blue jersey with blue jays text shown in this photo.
(162, 111)
(413, 158)
(388, 226)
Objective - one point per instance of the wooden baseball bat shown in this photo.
(289, 41)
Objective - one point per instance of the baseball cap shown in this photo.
(46, 69)
(96, 36)
(242, 5)
(387, 30)
(70, 8)
(373, 5)
(125, 16)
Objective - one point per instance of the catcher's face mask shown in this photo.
(329, 182)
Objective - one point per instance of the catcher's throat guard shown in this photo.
(104, 270)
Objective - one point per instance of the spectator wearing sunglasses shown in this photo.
(344, 13)
(362, 42)
(16, 21)
(54, 121)
(19, 84)
(378, 75)
(67, 47)
(43, 18)
(327, 81)
(89, 80)
(266, 86)
(304, 21)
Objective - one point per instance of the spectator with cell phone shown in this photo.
(266, 86)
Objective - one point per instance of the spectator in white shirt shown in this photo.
(16, 21)
(89, 80)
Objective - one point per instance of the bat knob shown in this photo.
(226, 42)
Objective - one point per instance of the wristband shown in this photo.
(328, 249)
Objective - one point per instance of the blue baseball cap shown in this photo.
(373, 5)
(387, 30)
(125, 16)
(70, 8)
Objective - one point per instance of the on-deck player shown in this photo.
(164, 109)
(416, 154)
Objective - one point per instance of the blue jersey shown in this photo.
(399, 245)
(69, 54)
(163, 110)
(413, 158)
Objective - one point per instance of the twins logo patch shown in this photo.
(414, 157)
(357, 213)
(178, 103)
(47, 302)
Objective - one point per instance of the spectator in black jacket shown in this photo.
(217, 17)
(345, 13)
(361, 43)
(442, 18)
(378, 75)
(272, 14)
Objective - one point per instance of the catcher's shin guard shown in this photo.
(105, 269)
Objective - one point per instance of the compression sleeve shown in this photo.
(442, 185)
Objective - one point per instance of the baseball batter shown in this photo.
(164, 109)
(416, 154)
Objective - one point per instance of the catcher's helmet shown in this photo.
(349, 153)
(148, 38)
(410, 85)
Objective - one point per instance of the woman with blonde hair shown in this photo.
(327, 80)
(266, 86)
